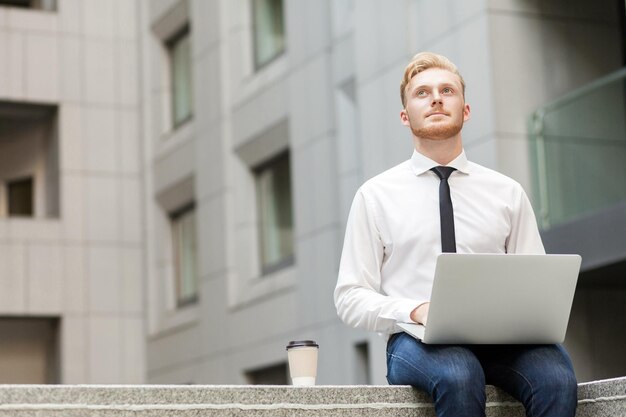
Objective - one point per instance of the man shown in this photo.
(394, 234)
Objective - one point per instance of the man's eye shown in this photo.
(447, 90)
(421, 93)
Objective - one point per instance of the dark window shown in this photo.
(20, 193)
(48, 5)
(29, 351)
(270, 375)
(363, 376)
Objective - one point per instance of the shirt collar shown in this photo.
(421, 163)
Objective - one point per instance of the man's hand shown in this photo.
(420, 314)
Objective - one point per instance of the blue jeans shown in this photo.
(541, 377)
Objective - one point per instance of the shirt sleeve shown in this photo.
(358, 297)
(524, 236)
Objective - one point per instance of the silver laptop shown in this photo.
(499, 299)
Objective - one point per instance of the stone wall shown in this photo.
(600, 398)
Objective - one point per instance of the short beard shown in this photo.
(438, 132)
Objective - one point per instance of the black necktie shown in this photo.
(446, 214)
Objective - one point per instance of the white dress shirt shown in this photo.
(393, 236)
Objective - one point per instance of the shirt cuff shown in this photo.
(405, 307)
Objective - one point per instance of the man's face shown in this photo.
(435, 107)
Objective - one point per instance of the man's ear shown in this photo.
(404, 117)
(466, 113)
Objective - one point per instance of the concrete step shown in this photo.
(600, 398)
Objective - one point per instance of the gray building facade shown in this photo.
(319, 84)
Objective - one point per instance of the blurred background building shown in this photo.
(72, 244)
(175, 175)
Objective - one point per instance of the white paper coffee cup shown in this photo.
(302, 355)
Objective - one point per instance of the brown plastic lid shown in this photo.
(302, 343)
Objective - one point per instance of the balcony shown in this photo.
(29, 161)
(578, 156)
(579, 151)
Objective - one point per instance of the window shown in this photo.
(185, 255)
(263, 224)
(179, 49)
(20, 196)
(48, 5)
(274, 211)
(268, 29)
(271, 375)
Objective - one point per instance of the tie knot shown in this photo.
(443, 172)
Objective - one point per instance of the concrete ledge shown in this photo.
(601, 398)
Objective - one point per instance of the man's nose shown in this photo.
(436, 97)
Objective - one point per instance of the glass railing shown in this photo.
(578, 151)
